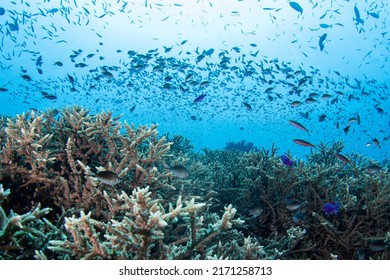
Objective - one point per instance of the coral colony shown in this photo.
(81, 186)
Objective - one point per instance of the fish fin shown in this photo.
(166, 166)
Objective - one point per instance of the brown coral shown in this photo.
(150, 214)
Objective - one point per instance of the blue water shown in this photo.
(251, 60)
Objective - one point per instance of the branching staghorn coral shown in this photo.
(145, 158)
(20, 234)
(79, 141)
(26, 139)
(42, 152)
(273, 212)
(138, 225)
(286, 197)
(180, 145)
(250, 248)
(142, 226)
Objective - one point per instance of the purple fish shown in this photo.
(286, 160)
(331, 208)
(199, 98)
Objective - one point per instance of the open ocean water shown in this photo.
(212, 71)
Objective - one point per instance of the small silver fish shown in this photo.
(294, 205)
(107, 177)
(177, 170)
(256, 211)
(372, 169)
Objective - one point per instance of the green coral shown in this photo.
(20, 234)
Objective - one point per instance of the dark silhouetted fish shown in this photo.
(107, 177)
(177, 170)
(374, 15)
(49, 96)
(199, 98)
(322, 40)
(324, 25)
(39, 61)
(296, 7)
(248, 106)
(357, 18)
(26, 78)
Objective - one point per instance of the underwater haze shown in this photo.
(213, 71)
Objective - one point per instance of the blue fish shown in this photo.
(374, 15)
(321, 41)
(286, 160)
(296, 7)
(39, 61)
(199, 98)
(304, 115)
(358, 19)
(298, 217)
(331, 208)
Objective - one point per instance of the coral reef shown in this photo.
(23, 233)
(242, 146)
(234, 203)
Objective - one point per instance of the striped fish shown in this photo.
(303, 143)
(298, 125)
(343, 158)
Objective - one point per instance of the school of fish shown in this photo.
(193, 87)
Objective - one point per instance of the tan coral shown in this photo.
(25, 139)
